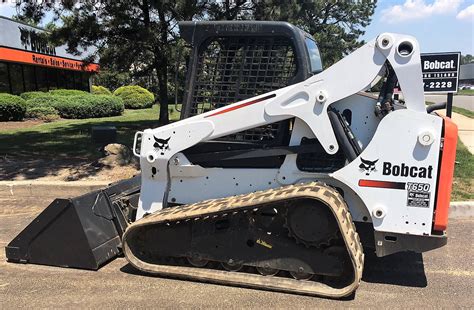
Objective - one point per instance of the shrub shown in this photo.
(135, 97)
(100, 90)
(34, 94)
(42, 112)
(68, 92)
(50, 118)
(12, 108)
(46, 101)
(89, 106)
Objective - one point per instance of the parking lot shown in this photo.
(443, 278)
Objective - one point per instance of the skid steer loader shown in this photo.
(279, 174)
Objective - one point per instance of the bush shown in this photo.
(46, 101)
(42, 112)
(34, 94)
(100, 90)
(89, 106)
(12, 108)
(68, 92)
(135, 97)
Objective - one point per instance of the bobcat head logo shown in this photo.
(367, 166)
(161, 144)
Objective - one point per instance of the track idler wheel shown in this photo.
(232, 266)
(267, 271)
(197, 261)
(301, 275)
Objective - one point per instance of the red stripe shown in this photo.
(241, 105)
(382, 184)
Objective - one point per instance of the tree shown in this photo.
(140, 37)
(336, 25)
(465, 59)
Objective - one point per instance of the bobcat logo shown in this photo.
(162, 144)
(367, 166)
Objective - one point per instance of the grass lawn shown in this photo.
(72, 138)
(463, 185)
(469, 92)
(464, 112)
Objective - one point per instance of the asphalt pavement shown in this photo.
(461, 101)
(443, 278)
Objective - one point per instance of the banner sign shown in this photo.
(45, 60)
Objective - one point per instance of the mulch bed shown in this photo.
(19, 125)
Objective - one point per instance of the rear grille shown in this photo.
(230, 69)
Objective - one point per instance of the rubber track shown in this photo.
(251, 201)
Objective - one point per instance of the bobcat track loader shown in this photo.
(279, 174)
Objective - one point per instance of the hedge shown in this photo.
(42, 112)
(100, 90)
(135, 97)
(68, 92)
(68, 105)
(34, 94)
(89, 106)
(46, 101)
(12, 108)
(43, 107)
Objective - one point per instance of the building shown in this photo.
(466, 74)
(29, 63)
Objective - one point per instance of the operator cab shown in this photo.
(232, 61)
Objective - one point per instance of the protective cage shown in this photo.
(233, 61)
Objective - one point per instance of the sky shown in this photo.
(438, 25)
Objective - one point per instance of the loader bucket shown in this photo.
(83, 232)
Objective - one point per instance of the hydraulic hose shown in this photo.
(436, 106)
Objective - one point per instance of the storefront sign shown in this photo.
(44, 60)
(26, 44)
(35, 42)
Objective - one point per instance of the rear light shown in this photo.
(446, 172)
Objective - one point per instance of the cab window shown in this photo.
(314, 56)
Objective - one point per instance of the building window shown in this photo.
(69, 79)
(77, 80)
(4, 82)
(30, 78)
(85, 81)
(41, 79)
(53, 78)
(62, 79)
(16, 79)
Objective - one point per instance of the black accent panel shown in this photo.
(207, 154)
(245, 155)
(366, 234)
(389, 243)
(319, 160)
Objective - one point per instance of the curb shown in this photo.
(62, 189)
(460, 209)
